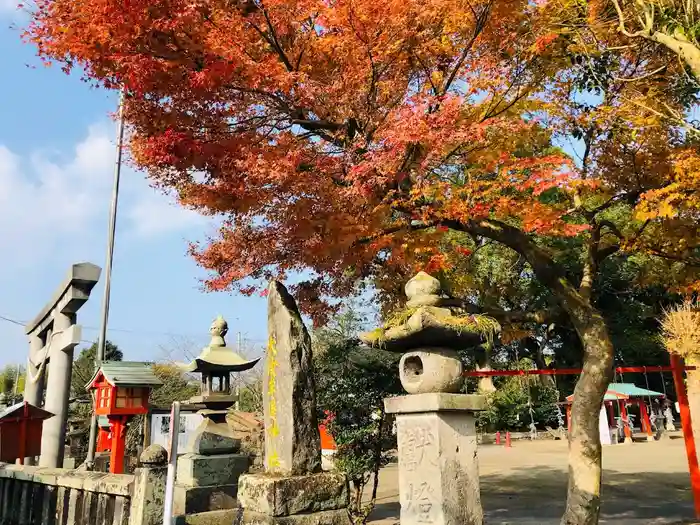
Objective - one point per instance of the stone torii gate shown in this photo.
(53, 335)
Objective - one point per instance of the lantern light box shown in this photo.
(120, 390)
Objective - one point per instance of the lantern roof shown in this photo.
(217, 357)
(126, 374)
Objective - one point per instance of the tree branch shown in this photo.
(590, 265)
(392, 230)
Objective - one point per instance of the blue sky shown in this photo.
(56, 168)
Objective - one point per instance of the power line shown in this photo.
(129, 331)
(11, 320)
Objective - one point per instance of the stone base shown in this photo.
(206, 483)
(216, 517)
(294, 495)
(213, 437)
(328, 517)
(196, 470)
(188, 500)
(438, 467)
(434, 402)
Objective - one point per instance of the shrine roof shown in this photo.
(625, 391)
(16, 411)
(126, 374)
(632, 390)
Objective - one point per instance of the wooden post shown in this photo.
(611, 413)
(625, 421)
(23, 435)
(645, 418)
(687, 425)
(147, 429)
(116, 456)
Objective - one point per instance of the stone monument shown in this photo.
(207, 475)
(435, 425)
(53, 335)
(293, 489)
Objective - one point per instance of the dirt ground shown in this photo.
(643, 483)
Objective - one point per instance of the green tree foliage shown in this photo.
(177, 386)
(84, 367)
(509, 407)
(251, 397)
(12, 381)
(351, 383)
(627, 291)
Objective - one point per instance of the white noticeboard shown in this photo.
(160, 429)
(604, 428)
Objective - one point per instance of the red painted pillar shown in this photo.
(642, 423)
(625, 421)
(116, 457)
(568, 418)
(687, 425)
(645, 418)
(23, 435)
(498, 438)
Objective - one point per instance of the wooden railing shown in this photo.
(43, 496)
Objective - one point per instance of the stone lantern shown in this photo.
(215, 363)
(208, 472)
(436, 431)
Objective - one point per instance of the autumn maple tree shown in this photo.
(356, 140)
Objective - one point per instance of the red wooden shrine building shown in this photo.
(20, 432)
(677, 368)
(120, 391)
(616, 401)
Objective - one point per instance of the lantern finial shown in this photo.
(218, 330)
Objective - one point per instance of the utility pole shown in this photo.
(102, 341)
(17, 380)
(239, 345)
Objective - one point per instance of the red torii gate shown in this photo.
(677, 367)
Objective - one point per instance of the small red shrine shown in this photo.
(120, 391)
(20, 432)
(620, 396)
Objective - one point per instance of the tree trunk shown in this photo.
(483, 364)
(585, 461)
(585, 465)
(378, 454)
(538, 358)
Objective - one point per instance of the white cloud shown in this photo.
(155, 214)
(52, 201)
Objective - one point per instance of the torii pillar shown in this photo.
(53, 335)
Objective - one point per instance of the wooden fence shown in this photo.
(43, 496)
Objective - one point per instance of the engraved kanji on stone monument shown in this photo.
(293, 490)
(292, 439)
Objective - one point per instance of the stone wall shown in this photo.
(46, 496)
